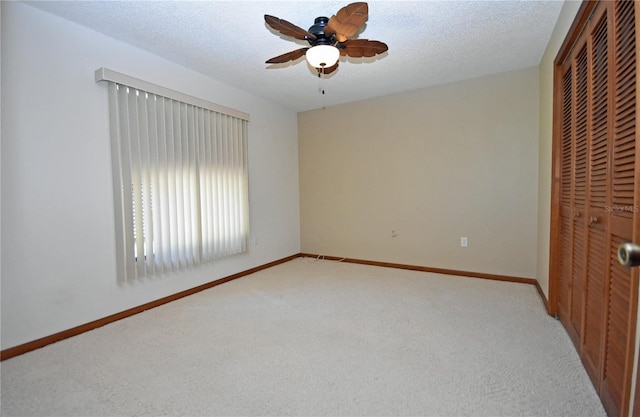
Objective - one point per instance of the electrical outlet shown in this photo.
(463, 242)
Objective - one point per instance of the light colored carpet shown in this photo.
(314, 337)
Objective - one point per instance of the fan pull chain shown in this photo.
(321, 82)
(321, 85)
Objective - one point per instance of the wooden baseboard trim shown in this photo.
(47, 340)
(494, 277)
(543, 298)
(530, 281)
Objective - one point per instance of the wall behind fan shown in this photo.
(431, 165)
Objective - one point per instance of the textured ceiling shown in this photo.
(430, 42)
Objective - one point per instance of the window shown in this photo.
(180, 177)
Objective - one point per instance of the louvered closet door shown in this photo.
(598, 198)
(573, 193)
(567, 214)
(622, 286)
(580, 157)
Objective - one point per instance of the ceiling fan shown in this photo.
(329, 38)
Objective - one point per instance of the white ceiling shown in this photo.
(430, 42)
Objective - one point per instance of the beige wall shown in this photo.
(432, 165)
(568, 13)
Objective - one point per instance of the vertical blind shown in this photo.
(181, 181)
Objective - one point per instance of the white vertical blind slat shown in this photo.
(219, 179)
(146, 184)
(235, 189)
(184, 187)
(205, 175)
(155, 204)
(136, 181)
(125, 187)
(163, 218)
(117, 173)
(179, 185)
(186, 184)
(225, 185)
(228, 204)
(194, 193)
(245, 184)
(172, 185)
(238, 180)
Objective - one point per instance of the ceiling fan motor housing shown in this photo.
(318, 30)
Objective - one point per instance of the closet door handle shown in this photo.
(593, 219)
(629, 255)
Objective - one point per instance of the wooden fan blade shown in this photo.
(288, 28)
(289, 56)
(329, 70)
(357, 48)
(348, 21)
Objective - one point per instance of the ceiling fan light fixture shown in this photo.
(322, 56)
